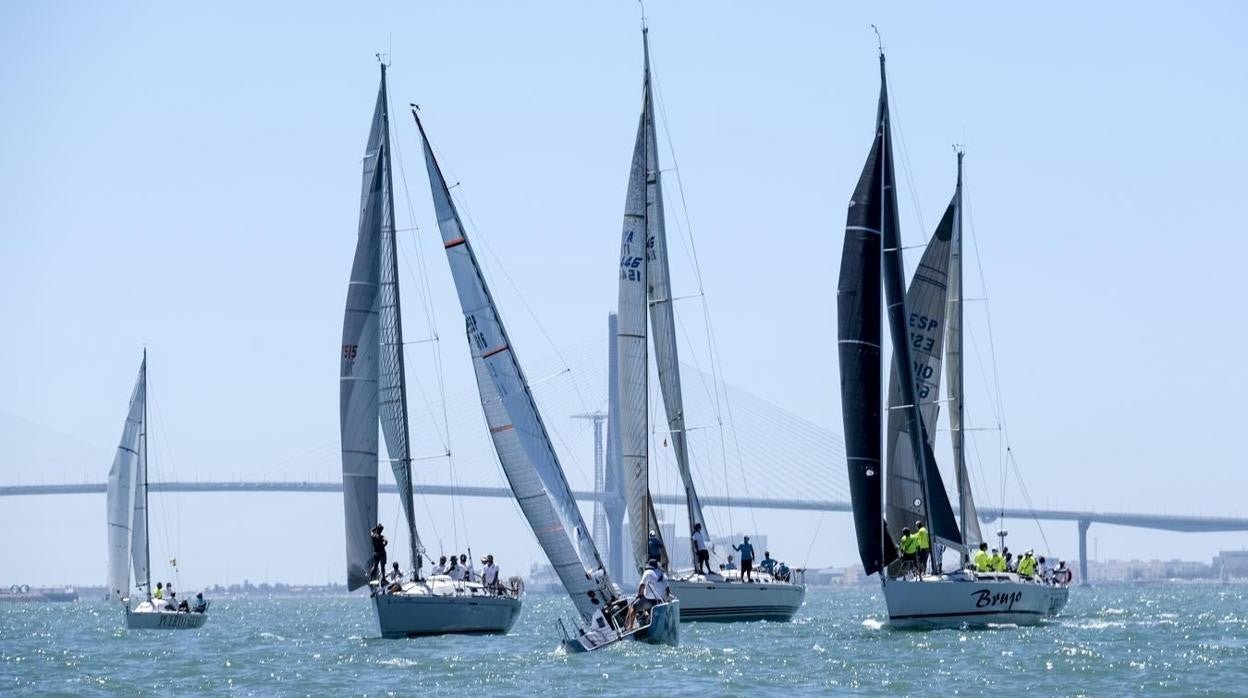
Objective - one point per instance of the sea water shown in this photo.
(1165, 639)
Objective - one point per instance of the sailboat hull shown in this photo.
(417, 615)
(955, 601)
(664, 629)
(708, 600)
(145, 619)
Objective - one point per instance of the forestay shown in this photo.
(955, 367)
(520, 438)
(122, 486)
(926, 304)
(662, 318)
(358, 399)
(392, 385)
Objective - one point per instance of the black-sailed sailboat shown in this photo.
(872, 271)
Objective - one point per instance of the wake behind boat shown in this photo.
(871, 262)
(128, 540)
(374, 389)
(526, 454)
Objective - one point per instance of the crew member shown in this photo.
(909, 545)
(983, 561)
(768, 564)
(378, 567)
(652, 590)
(489, 573)
(702, 563)
(925, 546)
(654, 546)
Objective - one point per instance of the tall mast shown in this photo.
(960, 464)
(147, 537)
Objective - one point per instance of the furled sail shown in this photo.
(858, 347)
(392, 386)
(966, 502)
(633, 377)
(940, 520)
(358, 386)
(122, 486)
(926, 303)
(139, 552)
(520, 438)
(662, 318)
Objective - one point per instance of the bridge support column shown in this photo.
(1083, 551)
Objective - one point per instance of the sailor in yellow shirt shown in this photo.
(160, 591)
(909, 545)
(925, 546)
(983, 561)
(1027, 565)
(998, 562)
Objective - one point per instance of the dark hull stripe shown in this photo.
(920, 616)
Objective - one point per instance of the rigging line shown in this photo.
(1027, 498)
(895, 118)
(716, 363)
(164, 511)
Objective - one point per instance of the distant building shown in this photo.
(1232, 563)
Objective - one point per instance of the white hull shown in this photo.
(442, 608)
(664, 629)
(962, 599)
(716, 599)
(145, 617)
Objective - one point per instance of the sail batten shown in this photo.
(520, 438)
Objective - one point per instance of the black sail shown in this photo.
(941, 521)
(858, 345)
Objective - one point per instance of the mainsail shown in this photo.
(966, 502)
(358, 385)
(392, 384)
(662, 318)
(122, 486)
(858, 346)
(926, 303)
(940, 520)
(520, 438)
(140, 553)
(633, 377)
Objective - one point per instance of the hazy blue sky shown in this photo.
(187, 177)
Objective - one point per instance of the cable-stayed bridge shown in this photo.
(770, 458)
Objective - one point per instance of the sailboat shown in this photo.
(128, 526)
(870, 262)
(645, 292)
(526, 454)
(373, 389)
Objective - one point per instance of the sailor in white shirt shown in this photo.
(466, 568)
(489, 573)
(439, 568)
(651, 591)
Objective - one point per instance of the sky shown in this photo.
(186, 179)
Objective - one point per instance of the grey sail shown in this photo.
(932, 496)
(969, 517)
(392, 385)
(858, 295)
(926, 304)
(358, 383)
(631, 347)
(122, 487)
(662, 318)
(516, 428)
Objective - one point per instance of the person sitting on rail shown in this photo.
(768, 565)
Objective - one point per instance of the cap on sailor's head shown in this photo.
(652, 562)
(652, 532)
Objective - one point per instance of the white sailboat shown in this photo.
(128, 527)
(373, 389)
(645, 292)
(525, 452)
(871, 262)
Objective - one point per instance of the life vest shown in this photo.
(924, 542)
(983, 561)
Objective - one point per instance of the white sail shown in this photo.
(121, 492)
(139, 552)
(954, 366)
(662, 318)
(358, 400)
(631, 346)
(516, 428)
(392, 386)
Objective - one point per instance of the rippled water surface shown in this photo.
(1177, 640)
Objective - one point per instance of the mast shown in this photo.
(968, 519)
(147, 537)
(392, 379)
(662, 317)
